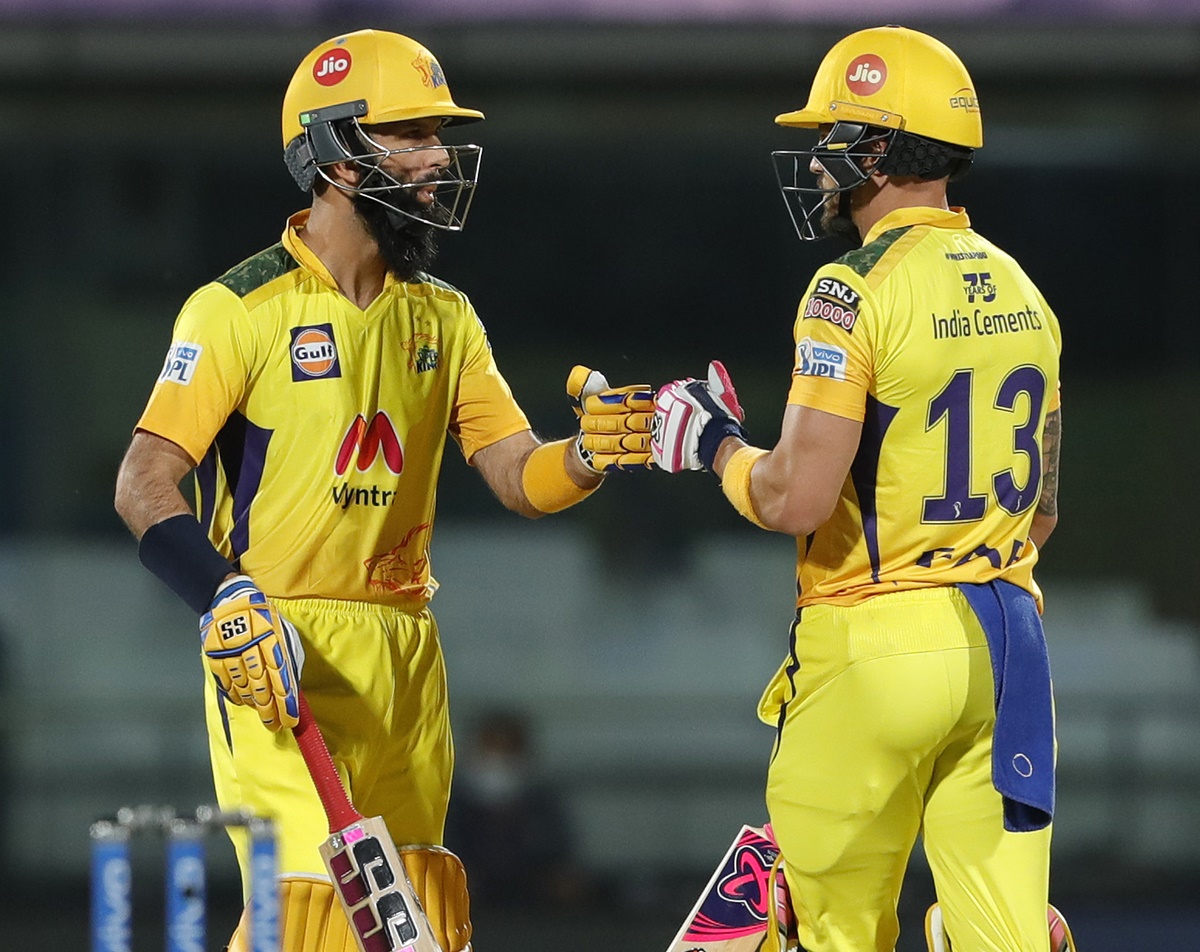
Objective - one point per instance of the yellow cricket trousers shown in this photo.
(885, 713)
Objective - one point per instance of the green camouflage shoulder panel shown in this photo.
(422, 277)
(257, 270)
(862, 260)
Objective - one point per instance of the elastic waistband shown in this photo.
(346, 606)
(922, 619)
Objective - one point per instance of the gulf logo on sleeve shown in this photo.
(314, 353)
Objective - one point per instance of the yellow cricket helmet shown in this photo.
(352, 82)
(894, 78)
(887, 100)
(394, 77)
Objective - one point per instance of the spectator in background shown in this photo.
(508, 824)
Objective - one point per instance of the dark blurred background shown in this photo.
(628, 219)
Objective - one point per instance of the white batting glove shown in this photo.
(692, 417)
(253, 652)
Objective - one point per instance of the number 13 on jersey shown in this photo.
(1019, 398)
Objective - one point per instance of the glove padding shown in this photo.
(253, 653)
(692, 417)
(614, 422)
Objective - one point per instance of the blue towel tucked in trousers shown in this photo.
(1023, 745)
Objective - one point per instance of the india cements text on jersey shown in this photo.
(945, 350)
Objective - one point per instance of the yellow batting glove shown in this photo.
(614, 422)
(253, 653)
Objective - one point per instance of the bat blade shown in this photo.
(733, 912)
(379, 900)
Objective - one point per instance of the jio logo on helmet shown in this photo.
(331, 68)
(866, 74)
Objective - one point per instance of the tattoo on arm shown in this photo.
(1051, 442)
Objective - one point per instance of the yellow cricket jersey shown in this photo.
(318, 428)
(945, 350)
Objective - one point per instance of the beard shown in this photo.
(836, 221)
(406, 246)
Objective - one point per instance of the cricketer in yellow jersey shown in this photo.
(917, 468)
(311, 389)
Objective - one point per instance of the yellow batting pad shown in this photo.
(1061, 939)
(936, 939)
(311, 917)
(440, 881)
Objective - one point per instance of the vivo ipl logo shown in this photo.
(331, 68)
(820, 360)
(364, 441)
(180, 365)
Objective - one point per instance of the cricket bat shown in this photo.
(384, 911)
(744, 907)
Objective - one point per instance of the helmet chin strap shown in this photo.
(841, 225)
(396, 218)
(400, 221)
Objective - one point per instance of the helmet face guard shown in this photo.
(847, 153)
(355, 82)
(334, 134)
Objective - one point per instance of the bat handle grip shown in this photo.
(338, 808)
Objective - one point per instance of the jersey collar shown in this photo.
(294, 244)
(954, 217)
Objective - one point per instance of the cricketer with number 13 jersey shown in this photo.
(318, 428)
(952, 380)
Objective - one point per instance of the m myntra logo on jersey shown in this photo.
(364, 443)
